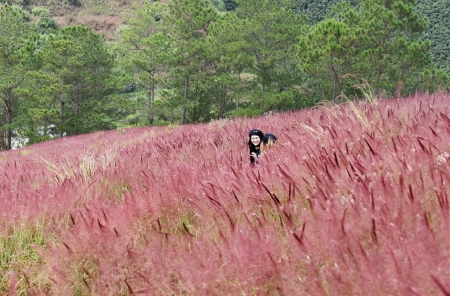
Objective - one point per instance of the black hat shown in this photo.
(255, 132)
(269, 137)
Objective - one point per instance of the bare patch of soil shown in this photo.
(100, 24)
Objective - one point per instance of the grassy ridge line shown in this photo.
(353, 200)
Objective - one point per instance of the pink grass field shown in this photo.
(353, 200)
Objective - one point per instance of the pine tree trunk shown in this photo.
(186, 93)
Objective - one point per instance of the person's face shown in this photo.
(255, 140)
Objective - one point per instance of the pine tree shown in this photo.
(77, 73)
(328, 52)
(379, 43)
(230, 5)
(191, 21)
(316, 10)
(392, 49)
(228, 47)
(271, 29)
(145, 50)
(14, 34)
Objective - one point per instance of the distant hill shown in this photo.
(102, 24)
(102, 16)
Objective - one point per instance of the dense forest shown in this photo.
(178, 61)
(437, 31)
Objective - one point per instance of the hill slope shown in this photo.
(353, 200)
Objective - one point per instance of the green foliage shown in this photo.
(191, 21)
(228, 48)
(316, 10)
(379, 43)
(45, 23)
(328, 52)
(245, 112)
(19, 3)
(19, 251)
(219, 4)
(230, 5)
(40, 11)
(270, 31)
(144, 52)
(432, 79)
(392, 49)
(195, 61)
(76, 80)
(438, 30)
(14, 64)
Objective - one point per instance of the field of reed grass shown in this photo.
(352, 200)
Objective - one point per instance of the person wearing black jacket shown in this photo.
(269, 139)
(254, 144)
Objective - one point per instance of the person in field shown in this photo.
(254, 144)
(269, 140)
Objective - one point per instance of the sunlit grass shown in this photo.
(18, 252)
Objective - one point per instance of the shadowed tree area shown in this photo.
(438, 30)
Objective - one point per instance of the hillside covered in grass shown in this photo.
(353, 200)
